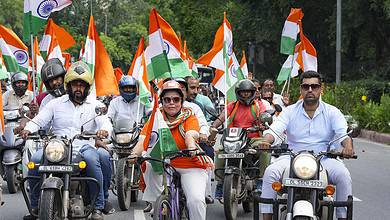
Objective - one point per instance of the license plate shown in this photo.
(55, 169)
(318, 184)
(227, 156)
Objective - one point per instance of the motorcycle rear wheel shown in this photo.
(50, 207)
(302, 218)
(12, 182)
(230, 193)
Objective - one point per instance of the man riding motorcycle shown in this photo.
(52, 75)
(67, 114)
(243, 113)
(125, 106)
(310, 125)
(19, 95)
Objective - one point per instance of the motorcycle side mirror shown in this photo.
(266, 117)
(352, 132)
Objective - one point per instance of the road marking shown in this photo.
(139, 214)
(356, 199)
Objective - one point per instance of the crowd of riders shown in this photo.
(194, 121)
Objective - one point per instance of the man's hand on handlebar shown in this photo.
(24, 134)
(101, 134)
(348, 152)
(132, 158)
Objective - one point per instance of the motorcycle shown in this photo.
(125, 176)
(11, 148)
(64, 190)
(242, 169)
(304, 192)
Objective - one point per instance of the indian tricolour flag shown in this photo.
(3, 70)
(36, 13)
(219, 57)
(163, 55)
(55, 50)
(304, 58)
(96, 56)
(244, 65)
(138, 70)
(290, 31)
(64, 39)
(159, 140)
(13, 50)
(235, 75)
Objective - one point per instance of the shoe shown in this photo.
(148, 207)
(29, 216)
(97, 215)
(209, 199)
(108, 208)
(219, 191)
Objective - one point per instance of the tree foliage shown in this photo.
(365, 29)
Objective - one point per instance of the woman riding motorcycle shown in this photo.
(185, 130)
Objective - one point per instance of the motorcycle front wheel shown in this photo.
(230, 193)
(123, 184)
(50, 207)
(10, 175)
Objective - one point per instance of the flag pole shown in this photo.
(33, 67)
(284, 86)
(91, 7)
(138, 109)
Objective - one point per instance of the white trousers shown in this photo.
(193, 181)
(338, 175)
(210, 172)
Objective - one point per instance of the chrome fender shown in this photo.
(303, 208)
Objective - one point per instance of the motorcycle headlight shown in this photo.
(232, 147)
(305, 166)
(123, 138)
(55, 151)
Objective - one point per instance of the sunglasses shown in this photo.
(175, 100)
(312, 86)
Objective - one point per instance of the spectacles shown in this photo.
(175, 100)
(312, 86)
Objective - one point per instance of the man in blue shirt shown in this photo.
(195, 96)
(310, 124)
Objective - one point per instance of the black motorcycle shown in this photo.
(304, 192)
(64, 191)
(125, 176)
(11, 148)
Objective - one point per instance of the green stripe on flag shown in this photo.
(10, 63)
(165, 145)
(31, 25)
(287, 45)
(283, 75)
(158, 68)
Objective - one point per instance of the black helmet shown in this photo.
(52, 69)
(19, 76)
(245, 85)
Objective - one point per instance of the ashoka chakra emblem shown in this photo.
(46, 7)
(21, 56)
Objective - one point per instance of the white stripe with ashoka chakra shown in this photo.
(155, 48)
(290, 30)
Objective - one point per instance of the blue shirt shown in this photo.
(204, 101)
(305, 133)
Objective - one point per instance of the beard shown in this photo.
(311, 99)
